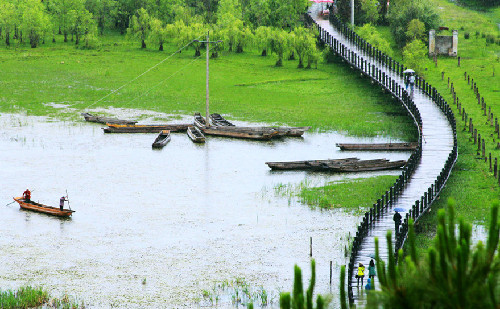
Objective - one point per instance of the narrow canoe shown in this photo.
(145, 128)
(338, 165)
(195, 134)
(162, 139)
(55, 211)
(98, 119)
(379, 146)
(244, 134)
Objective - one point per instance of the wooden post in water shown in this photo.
(311, 247)
(331, 272)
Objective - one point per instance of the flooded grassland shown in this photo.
(156, 228)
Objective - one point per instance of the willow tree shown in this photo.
(158, 33)
(304, 44)
(263, 38)
(139, 26)
(280, 44)
(35, 22)
(7, 19)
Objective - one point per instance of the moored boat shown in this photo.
(379, 146)
(237, 132)
(195, 134)
(33, 206)
(162, 139)
(199, 120)
(98, 119)
(220, 121)
(338, 165)
(145, 128)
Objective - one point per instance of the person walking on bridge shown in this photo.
(361, 273)
(397, 221)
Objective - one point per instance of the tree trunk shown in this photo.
(197, 53)
(301, 63)
(65, 37)
(53, 39)
(292, 56)
(239, 48)
(143, 44)
(214, 55)
(279, 63)
(60, 32)
(161, 47)
(7, 38)
(264, 53)
(77, 40)
(72, 36)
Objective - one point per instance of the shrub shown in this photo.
(466, 35)
(490, 39)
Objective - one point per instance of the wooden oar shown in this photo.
(67, 197)
(10, 203)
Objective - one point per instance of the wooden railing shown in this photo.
(370, 67)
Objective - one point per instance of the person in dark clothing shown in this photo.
(27, 195)
(397, 221)
(61, 202)
(371, 270)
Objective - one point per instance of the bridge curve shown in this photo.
(429, 166)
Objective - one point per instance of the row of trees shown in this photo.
(234, 34)
(38, 20)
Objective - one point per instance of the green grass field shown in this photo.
(471, 183)
(244, 86)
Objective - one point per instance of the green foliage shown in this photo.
(298, 300)
(24, 297)
(414, 55)
(34, 21)
(263, 39)
(8, 19)
(343, 298)
(453, 274)
(370, 10)
(280, 44)
(304, 44)
(371, 35)
(140, 26)
(415, 30)
(401, 13)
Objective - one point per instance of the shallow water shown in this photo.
(182, 217)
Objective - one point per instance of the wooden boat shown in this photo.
(305, 165)
(379, 146)
(281, 131)
(220, 121)
(195, 134)
(91, 118)
(55, 211)
(145, 128)
(162, 139)
(338, 165)
(199, 120)
(237, 132)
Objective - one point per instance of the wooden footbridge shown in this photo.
(430, 163)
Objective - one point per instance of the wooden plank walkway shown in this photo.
(437, 144)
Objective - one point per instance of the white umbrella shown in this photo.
(408, 71)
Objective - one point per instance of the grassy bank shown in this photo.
(350, 194)
(30, 297)
(471, 184)
(245, 86)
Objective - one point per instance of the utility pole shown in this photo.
(352, 13)
(207, 43)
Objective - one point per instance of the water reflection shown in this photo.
(181, 218)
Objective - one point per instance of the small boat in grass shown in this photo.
(98, 119)
(144, 128)
(33, 206)
(220, 121)
(195, 134)
(199, 120)
(162, 139)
